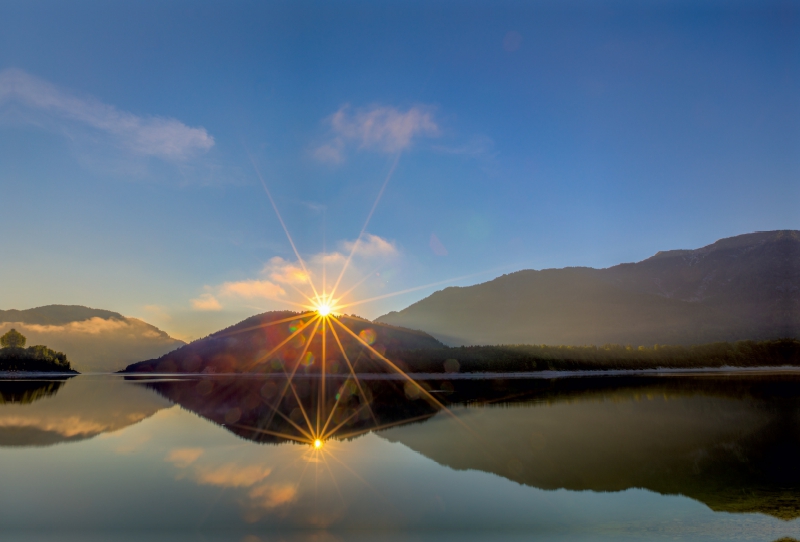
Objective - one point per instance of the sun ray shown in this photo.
(350, 417)
(270, 324)
(385, 426)
(366, 223)
(283, 225)
(288, 383)
(392, 365)
(408, 290)
(276, 410)
(355, 378)
(360, 282)
(272, 433)
(284, 341)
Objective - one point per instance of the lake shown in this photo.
(254, 458)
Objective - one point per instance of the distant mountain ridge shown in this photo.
(743, 287)
(56, 315)
(94, 340)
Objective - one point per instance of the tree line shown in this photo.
(531, 357)
(15, 357)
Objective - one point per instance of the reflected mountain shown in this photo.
(26, 391)
(270, 410)
(731, 443)
(47, 412)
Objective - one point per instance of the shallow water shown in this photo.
(711, 457)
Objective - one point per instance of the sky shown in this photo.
(143, 144)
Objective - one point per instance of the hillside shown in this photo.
(744, 287)
(268, 343)
(94, 340)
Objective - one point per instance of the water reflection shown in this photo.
(28, 390)
(207, 458)
(731, 443)
(46, 412)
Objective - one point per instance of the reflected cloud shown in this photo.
(183, 457)
(79, 410)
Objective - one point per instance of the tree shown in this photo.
(13, 339)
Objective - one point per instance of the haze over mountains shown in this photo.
(743, 287)
(94, 340)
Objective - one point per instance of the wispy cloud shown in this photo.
(371, 246)
(163, 137)
(379, 128)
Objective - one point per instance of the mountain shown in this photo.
(275, 340)
(729, 442)
(744, 287)
(94, 340)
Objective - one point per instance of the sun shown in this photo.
(323, 309)
(318, 443)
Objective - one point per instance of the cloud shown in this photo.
(272, 496)
(92, 326)
(183, 457)
(252, 289)
(206, 302)
(147, 135)
(281, 280)
(379, 128)
(232, 475)
(285, 272)
(372, 246)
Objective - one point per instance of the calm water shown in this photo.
(646, 458)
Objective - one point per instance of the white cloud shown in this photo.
(380, 128)
(147, 135)
(252, 289)
(206, 302)
(371, 246)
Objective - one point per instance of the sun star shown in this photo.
(323, 309)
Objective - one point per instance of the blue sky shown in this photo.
(513, 135)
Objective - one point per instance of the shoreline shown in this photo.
(547, 375)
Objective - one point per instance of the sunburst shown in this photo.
(323, 315)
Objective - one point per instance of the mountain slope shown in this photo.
(275, 340)
(94, 340)
(744, 287)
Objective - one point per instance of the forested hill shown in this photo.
(739, 288)
(95, 340)
(277, 340)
